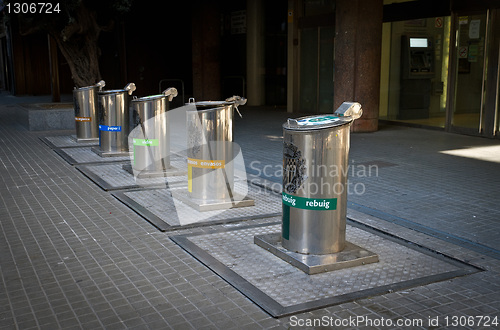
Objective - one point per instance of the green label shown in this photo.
(146, 142)
(319, 204)
(285, 223)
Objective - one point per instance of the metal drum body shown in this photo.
(86, 104)
(150, 116)
(114, 120)
(210, 151)
(315, 167)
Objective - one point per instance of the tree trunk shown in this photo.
(78, 44)
(82, 57)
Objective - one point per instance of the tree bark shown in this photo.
(78, 44)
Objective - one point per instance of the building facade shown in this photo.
(421, 63)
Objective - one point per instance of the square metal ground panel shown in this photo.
(114, 177)
(351, 256)
(66, 141)
(282, 289)
(165, 212)
(84, 155)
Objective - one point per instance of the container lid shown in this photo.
(86, 88)
(211, 103)
(316, 122)
(99, 85)
(149, 98)
(113, 91)
(234, 100)
(130, 88)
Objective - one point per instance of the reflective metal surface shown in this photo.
(86, 104)
(114, 119)
(315, 168)
(210, 150)
(152, 151)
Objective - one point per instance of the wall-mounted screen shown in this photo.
(418, 43)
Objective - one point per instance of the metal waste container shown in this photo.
(86, 104)
(114, 125)
(210, 149)
(315, 167)
(151, 152)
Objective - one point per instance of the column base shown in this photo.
(351, 256)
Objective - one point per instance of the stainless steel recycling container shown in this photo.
(114, 124)
(152, 151)
(210, 149)
(85, 103)
(315, 167)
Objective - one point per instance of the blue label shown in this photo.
(110, 128)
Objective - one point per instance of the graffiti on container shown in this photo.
(294, 168)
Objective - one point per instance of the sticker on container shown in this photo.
(146, 142)
(318, 204)
(83, 119)
(201, 163)
(318, 120)
(110, 128)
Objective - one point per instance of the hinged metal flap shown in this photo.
(100, 84)
(292, 123)
(349, 109)
(130, 88)
(171, 93)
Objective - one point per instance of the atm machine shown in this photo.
(417, 71)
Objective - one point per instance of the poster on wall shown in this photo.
(474, 29)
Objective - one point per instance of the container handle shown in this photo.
(191, 100)
(237, 100)
(130, 88)
(349, 109)
(100, 84)
(171, 93)
(292, 123)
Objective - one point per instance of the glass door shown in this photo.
(470, 73)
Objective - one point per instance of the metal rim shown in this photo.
(113, 91)
(214, 108)
(331, 121)
(149, 98)
(86, 88)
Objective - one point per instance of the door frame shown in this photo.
(488, 114)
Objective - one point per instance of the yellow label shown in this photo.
(190, 178)
(202, 163)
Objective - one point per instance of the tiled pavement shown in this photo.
(73, 256)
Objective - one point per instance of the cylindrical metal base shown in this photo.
(315, 189)
(113, 120)
(210, 153)
(152, 151)
(86, 104)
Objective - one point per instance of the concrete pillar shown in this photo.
(358, 40)
(255, 53)
(206, 50)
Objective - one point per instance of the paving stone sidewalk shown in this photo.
(74, 257)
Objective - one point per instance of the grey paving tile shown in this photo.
(117, 262)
